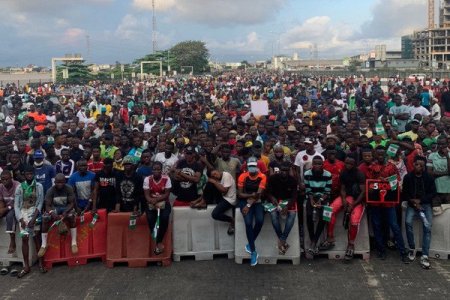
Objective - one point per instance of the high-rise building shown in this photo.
(407, 47)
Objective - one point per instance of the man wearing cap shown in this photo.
(251, 185)
(303, 160)
(44, 173)
(186, 175)
(107, 149)
(129, 187)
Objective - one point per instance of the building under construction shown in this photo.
(432, 45)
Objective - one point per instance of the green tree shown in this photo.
(190, 53)
(78, 72)
(166, 57)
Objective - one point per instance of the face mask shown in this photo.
(36, 164)
(363, 128)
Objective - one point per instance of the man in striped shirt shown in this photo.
(318, 189)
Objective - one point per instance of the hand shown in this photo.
(23, 224)
(211, 180)
(284, 211)
(245, 210)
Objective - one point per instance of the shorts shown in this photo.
(27, 215)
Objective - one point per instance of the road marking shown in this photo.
(372, 280)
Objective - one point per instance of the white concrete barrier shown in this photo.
(196, 233)
(362, 242)
(440, 233)
(17, 257)
(266, 243)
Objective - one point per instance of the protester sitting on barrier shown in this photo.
(28, 202)
(383, 170)
(157, 209)
(317, 192)
(129, 195)
(59, 210)
(105, 189)
(419, 189)
(282, 194)
(251, 185)
(351, 200)
(8, 188)
(186, 175)
(335, 167)
(82, 183)
(221, 190)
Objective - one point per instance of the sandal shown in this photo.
(4, 271)
(23, 273)
(327, 245)
(158, 251)
(13, 273)
(281, 250)
(349, 254)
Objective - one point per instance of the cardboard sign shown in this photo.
(381, 192)
(260, 108)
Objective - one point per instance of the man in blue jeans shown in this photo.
(419, 189)
(282, 187)
(251, 185)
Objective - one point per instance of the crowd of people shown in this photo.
(129, 146)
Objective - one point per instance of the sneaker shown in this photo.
(405, 259)
(254, 258)
(247, 249)
(425, 262)
(74, 249)
(412, 255)
(42, 251)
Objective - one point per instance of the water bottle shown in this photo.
(424, 219)
(314, 216)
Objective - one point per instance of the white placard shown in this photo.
(260, 108)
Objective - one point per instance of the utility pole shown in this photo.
(154, 33)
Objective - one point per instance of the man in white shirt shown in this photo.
(418, 109)
(436, 109)
(303, 160)
(167, 158)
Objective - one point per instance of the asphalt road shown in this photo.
(224, 279)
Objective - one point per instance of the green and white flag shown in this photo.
(269, 207)
(132, 222)
(392, 150)
(393, 182)
(352, 103)
(156, 228)
(379, 129)
(327, 213)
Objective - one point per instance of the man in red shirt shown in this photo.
(95, 164)
(334, 166)
(367, 158)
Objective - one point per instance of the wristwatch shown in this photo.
(249, 205)
(9, 207)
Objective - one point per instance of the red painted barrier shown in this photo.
(91, 242)
(134, 246)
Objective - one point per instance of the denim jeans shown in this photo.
(256, 214)
(410, 214)
(376, 215)
(290, 218)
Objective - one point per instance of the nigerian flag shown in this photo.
(327, 212)
(155, 229)
(393, 182)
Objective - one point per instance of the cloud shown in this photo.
(394, 18)
(132, 27)
(73, 35)
(252, 43)
(216, 12)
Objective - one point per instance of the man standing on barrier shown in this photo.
(251, 185)
(28, 202)
(382, 169)
(156, 191)
(353, 188)
(59, 210)
(317, 190)
(282, 194)
(419, 189)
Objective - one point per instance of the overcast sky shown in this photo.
(33, 31)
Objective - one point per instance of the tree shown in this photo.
(78, 72)
(166, 57)
(190, 53)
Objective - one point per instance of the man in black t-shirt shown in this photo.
(280, 188)
(104, 195)
(352, 202)
(186, 176)
(129, 188)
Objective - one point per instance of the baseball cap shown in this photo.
(38, 154)
(252, 162)
(308, 141)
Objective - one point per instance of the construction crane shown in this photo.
(154, 33)
(430, 14)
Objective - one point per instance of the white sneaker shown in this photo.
(425, 262)
(412, 255)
